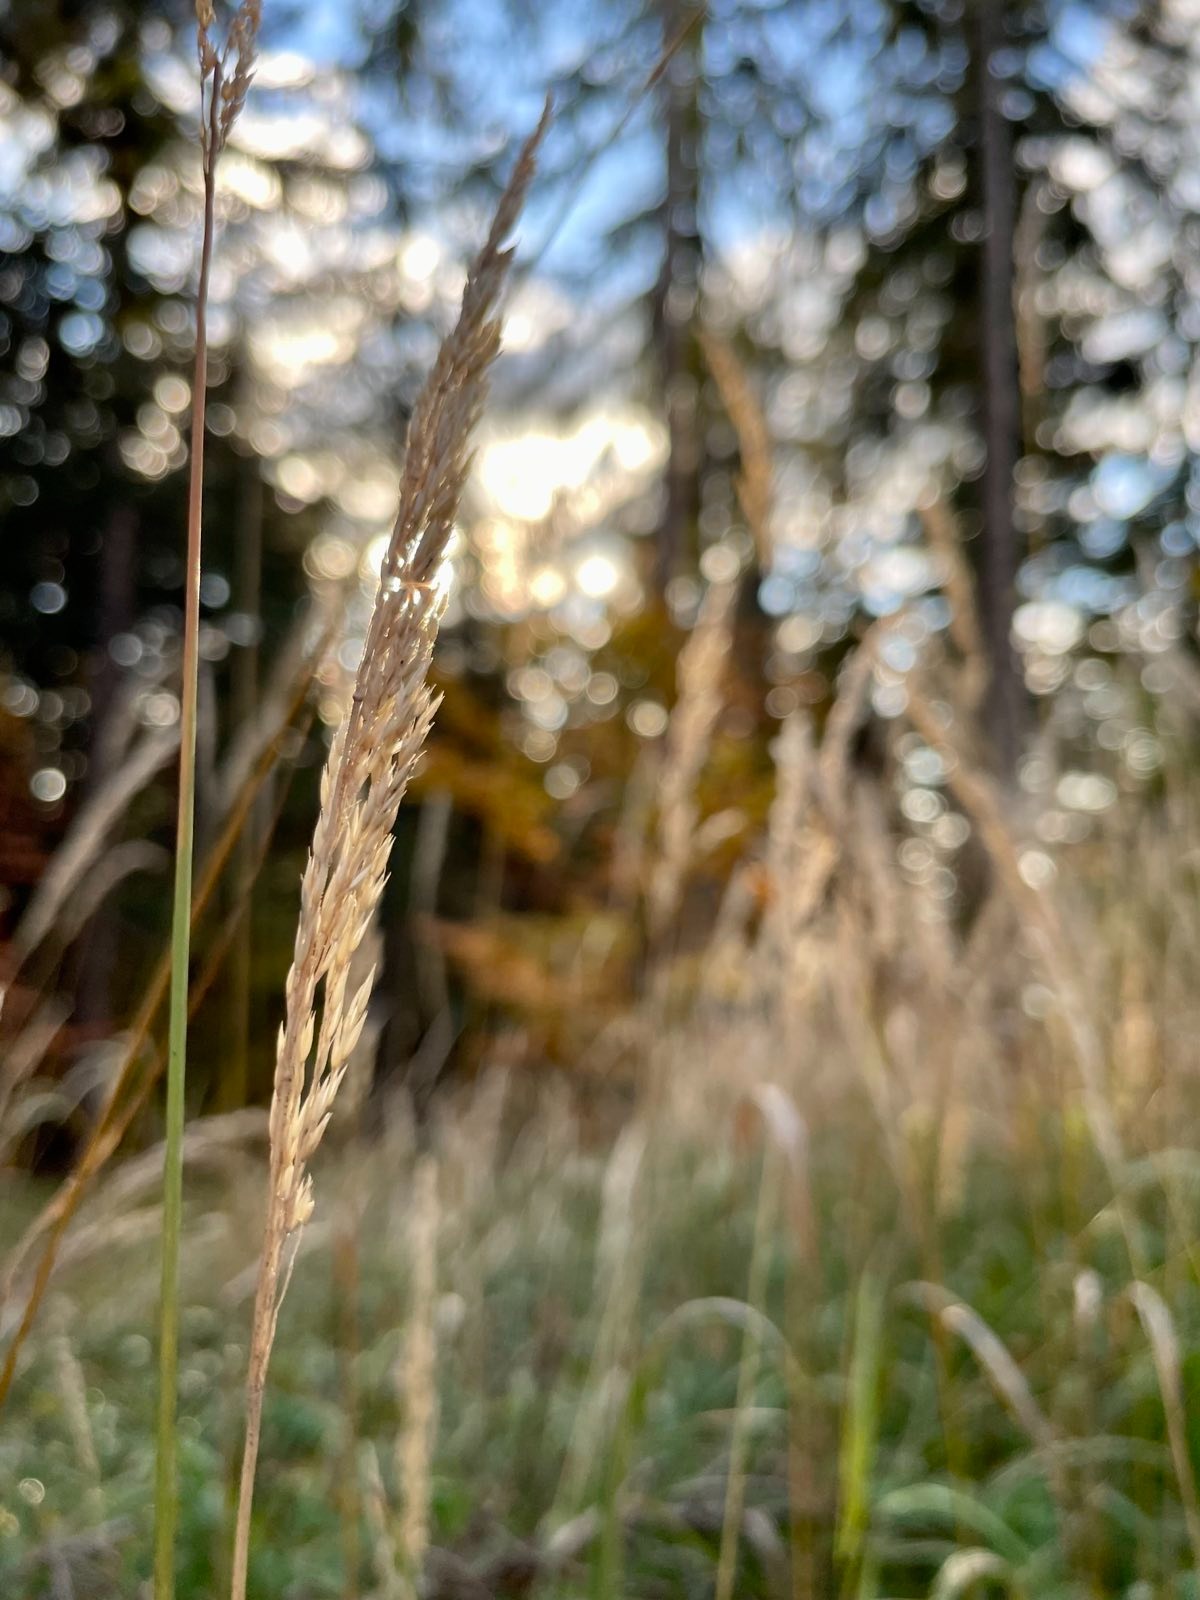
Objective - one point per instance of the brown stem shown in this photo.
(266, 1305)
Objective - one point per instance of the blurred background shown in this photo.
(946, 257)
(771, 1153)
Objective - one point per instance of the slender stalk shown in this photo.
(165, 1506)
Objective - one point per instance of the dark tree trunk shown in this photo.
(236, 1088)
(115, 607)
(675, 295)
(1006, 706)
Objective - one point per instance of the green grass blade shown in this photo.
(860, 1423)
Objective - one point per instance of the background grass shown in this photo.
(555, 1343)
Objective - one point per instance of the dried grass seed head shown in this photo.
(375, 750)
(371, 758)
(227, 71)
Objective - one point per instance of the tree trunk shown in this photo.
(1006, 706)
(235, 1086)
(95, 957)
(675, 295)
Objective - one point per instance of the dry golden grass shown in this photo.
(688, 740)
(371, 760)
(754, 481)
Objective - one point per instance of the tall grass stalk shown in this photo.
(222, 93)
(370, 762)
(698, 706)
(416, 1381)
(860, 1428)
(1039, 914)
(753, 484)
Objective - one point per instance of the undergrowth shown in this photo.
(590, 1317)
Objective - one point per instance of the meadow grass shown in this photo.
(1046, 1465)
(886, 1286)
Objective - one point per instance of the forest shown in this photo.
(599, 799)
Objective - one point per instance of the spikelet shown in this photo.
(371, 759)
(800, 857)
(753, 483)
(689, 735)
(72, 1390)
(375, 1511)
(225, 73)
